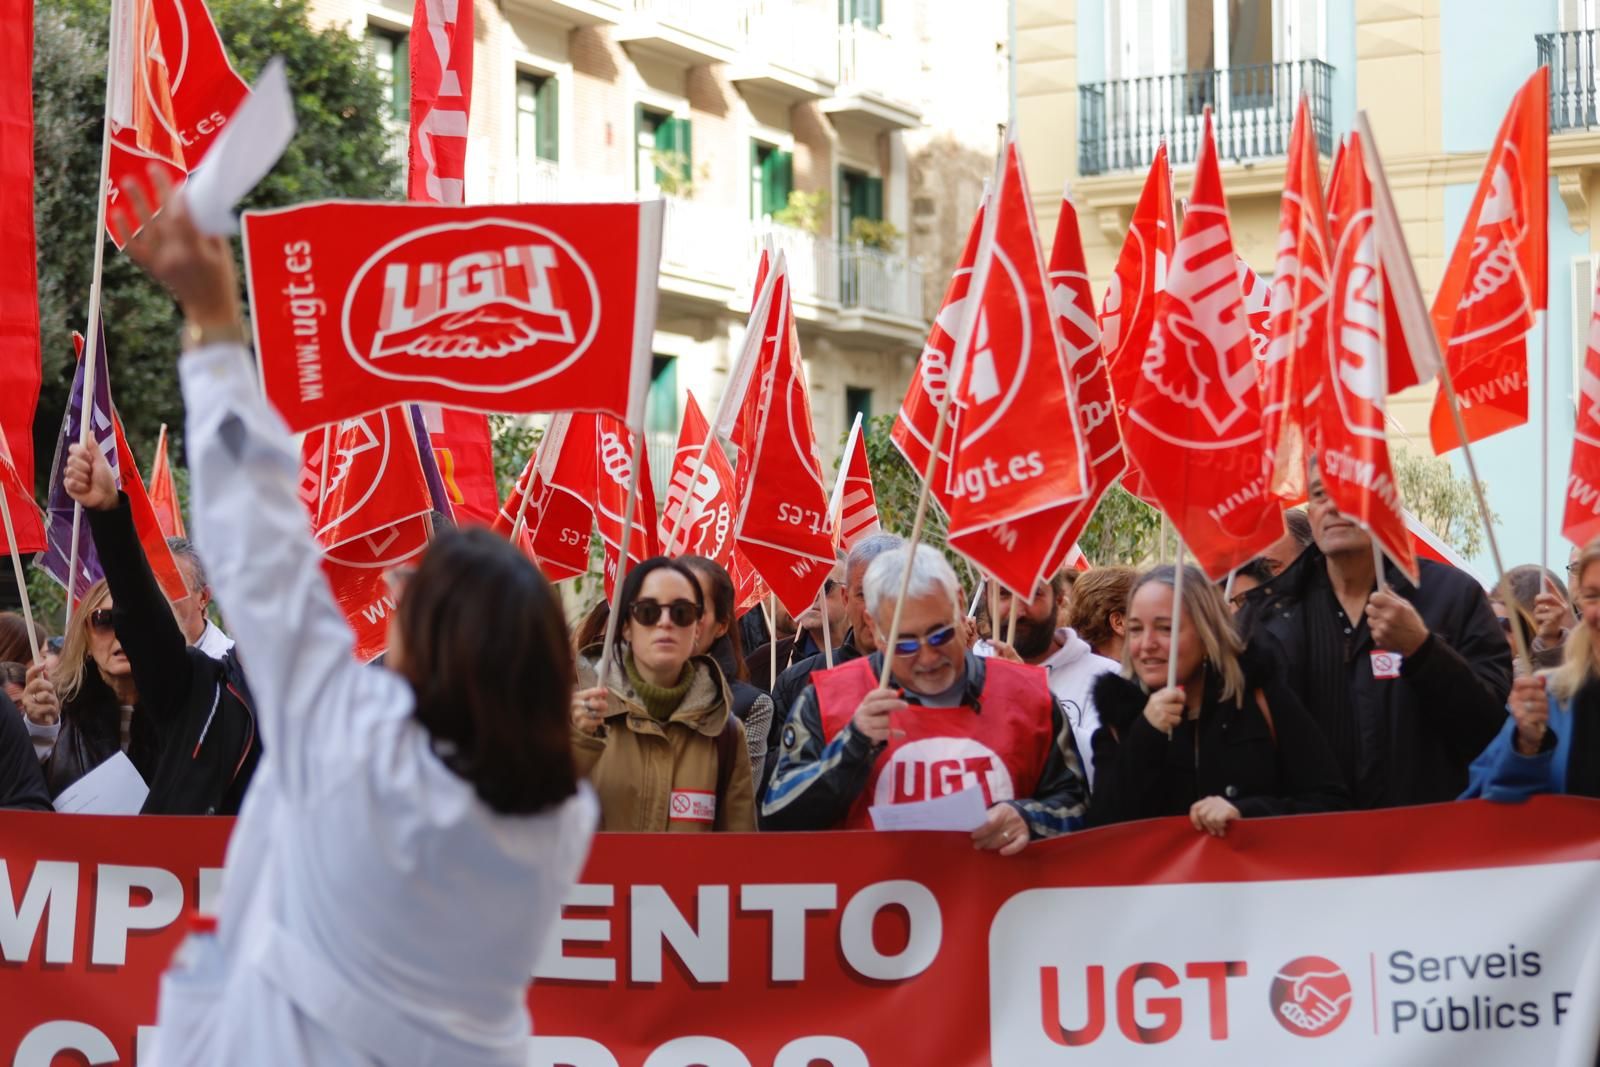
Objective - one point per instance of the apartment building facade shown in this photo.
(1100, 82)
(756, 120)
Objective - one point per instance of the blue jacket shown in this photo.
(1502, 773)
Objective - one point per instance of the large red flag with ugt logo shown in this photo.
(511, 308)
(174, 92)
(1194, 419)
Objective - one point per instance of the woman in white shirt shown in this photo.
(411, 830)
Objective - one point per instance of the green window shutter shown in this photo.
(548, 119)
(661, 409)
(782, 181)
(686, 146)
(874, 191)
(402, 76)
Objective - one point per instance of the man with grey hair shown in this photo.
(197, 627)
(948, 721)
(858, 640)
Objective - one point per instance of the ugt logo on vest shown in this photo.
(939, 766)
(421, 301)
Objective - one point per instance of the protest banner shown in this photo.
(1376, 938)
(514, 308)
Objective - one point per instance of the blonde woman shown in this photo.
(1228, 741)
(1551, 742)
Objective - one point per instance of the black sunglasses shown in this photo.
(100, 619)
(648, 612)
(912, 645)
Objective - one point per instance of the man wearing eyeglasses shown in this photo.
(947, 721)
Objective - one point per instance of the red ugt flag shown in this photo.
(854, 505)
(1581, 523)
(1298, 341)
(1012, 487)
(698, 519)
(1194, 420)
(566, 512)
(917, 420)
(1129, 312)
(614, 465)
(782, 525)
(515, 307)
(1364, 342)
(175, 91)
(441, 99)
(1073, 304)
(1496, 277)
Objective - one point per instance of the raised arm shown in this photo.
(250, 527)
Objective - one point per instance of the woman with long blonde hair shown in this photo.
(91, 698)
(1228, 741)
(1551, 741)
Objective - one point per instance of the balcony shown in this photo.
(877, 80)
(1121, 123)
(1571, 59)
(790, 49)
(573, 12)
(690, 33)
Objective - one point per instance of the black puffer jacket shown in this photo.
(193, 733)
(1275, 763)
(1398, 741)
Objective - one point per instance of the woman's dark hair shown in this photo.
(484, 645)
(635, 582)
(592, 630)
(721, 606)
(1258, 570)
(14, 638)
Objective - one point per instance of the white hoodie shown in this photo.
(1072, 671)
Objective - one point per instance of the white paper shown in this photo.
(251, 143)
(964, 811)
(113, 788)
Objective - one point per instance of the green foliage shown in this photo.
(805, 211)
(514, 439)
(875, 233)
(674, 175)
(1443, 500)
(341, 150)
(1123, 529)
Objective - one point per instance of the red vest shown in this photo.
(1000, 749)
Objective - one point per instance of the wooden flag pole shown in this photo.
(519, 527)
(22, 582)
(1518, 640)
(92, 330)
(1377, 567)
(1011, 621)
(992, 594)
(1177, 617)
(1227, 589)
(1544, 445)
(612, 621)
(977, 595)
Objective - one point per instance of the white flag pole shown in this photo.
(827, 628)
(612, 621)
(22, 581)
(1177, 616)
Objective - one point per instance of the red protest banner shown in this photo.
(176, 92)
(514, 307)
(1413, 956)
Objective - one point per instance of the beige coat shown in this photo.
(653, 776)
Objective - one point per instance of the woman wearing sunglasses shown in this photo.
(1230, 740)
(658, 738)
(92, 698)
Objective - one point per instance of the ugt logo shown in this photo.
(488, 305)
(1311, 996)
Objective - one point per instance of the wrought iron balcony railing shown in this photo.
(1120, 123)
(1571, 58)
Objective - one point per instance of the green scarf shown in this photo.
(658, 701)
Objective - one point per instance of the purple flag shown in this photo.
(55, 561)
(430, 463)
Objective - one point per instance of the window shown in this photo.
(665, 153)
(661, 406)
(857, 401)
(771, 179)
(860, 197)
(538, 135)
(867, 13)
(391, 54)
